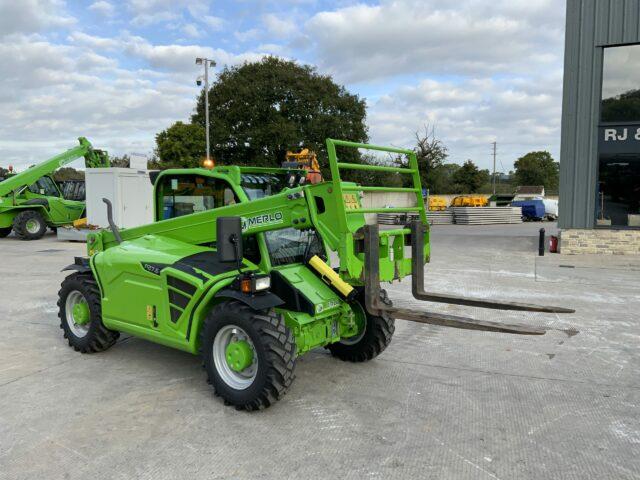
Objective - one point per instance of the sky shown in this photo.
(118, 72)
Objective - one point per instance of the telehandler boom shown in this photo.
(31, 201)
(236, 268)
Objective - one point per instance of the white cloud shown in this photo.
(278, 26)
(520, 114)
(29, 16)
(191, 30)
(214, 23)
(103, 8)
(52, 93)
(148, 12)
(364, 42)
(477, 70)
(91, 41)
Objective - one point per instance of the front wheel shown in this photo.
(249, 355)
(374, 337)
(80, 315)
(29, 225)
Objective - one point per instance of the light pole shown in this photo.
(207, 63)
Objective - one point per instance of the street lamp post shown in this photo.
(207, 63)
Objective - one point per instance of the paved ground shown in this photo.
(439, 403)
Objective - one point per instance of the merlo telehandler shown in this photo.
(234, 269)
(31, 201)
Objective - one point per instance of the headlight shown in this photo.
(262, 283)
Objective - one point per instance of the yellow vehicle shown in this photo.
(437, 204)
(470, 201)
(307, 160)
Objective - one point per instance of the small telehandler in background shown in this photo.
(31, 201)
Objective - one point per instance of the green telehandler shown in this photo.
(234, 269)
(31, 201)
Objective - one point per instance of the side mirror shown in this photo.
(229, 239)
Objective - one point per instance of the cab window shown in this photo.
(186, 194)
(45, 186)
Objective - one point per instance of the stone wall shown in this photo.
(600, 241)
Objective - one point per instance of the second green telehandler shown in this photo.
(31, 201)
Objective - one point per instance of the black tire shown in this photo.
(274, 347)
(4, 232)
(22, 221)
(377, 336)
(98, 337)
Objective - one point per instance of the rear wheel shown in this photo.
(5, 231)
(249, 356)
(80, 315)
(29, 225)
(372, 339)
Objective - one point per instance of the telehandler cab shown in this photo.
(234, 268)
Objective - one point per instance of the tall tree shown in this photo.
(537, 168)
(121, 162)
(180, 145)
(260, 110)
(468, 178)
(68, 173)
(431, 154)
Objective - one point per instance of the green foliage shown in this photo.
(120, 162)
(67, 173)
(537, 168)
(182, 145)
(468, 178)
(260, 110)
(622, 108)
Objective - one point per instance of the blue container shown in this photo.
(531, 209)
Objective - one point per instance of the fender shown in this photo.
(80, 264)
(259, 301)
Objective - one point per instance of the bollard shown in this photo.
(541, 243)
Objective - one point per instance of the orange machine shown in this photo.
(307, 160)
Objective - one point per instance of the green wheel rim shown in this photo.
(234, 357)
(239, 355)
(32, 225)
(77, 313)
(361, 322)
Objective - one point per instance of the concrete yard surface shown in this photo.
(439, 403)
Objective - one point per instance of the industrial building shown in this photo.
(600, 147)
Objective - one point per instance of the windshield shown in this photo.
(45, 186)
(259, 186)
(292, 246)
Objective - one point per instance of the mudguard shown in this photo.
(81, 264)
(259, 301)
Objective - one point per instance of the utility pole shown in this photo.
(494, 168)
(207, 63)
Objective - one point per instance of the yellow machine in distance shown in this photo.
(437, 204)
(307, 160)
(470, 201)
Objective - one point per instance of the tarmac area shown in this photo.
(439, 403)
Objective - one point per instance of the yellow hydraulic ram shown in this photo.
(332, 279)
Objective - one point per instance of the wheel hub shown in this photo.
(239, 355)
(235, 357)
(32, 226)
(81, 314)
